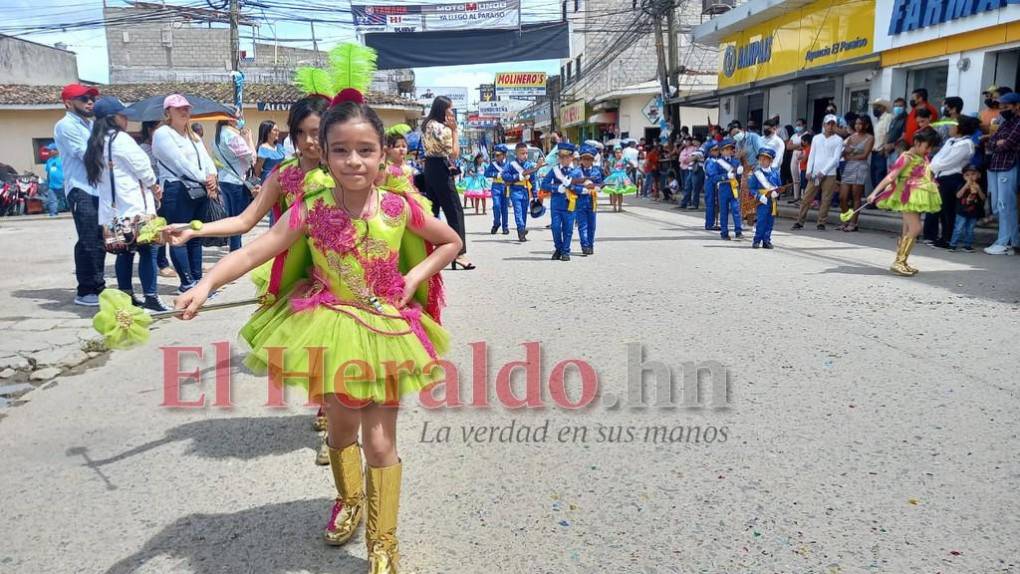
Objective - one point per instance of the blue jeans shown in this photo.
(89, 254)
(963, 231)
(179, 207)
(650, 179)
(235, 200)
(562, 230)
(53, 201)
(146, 269)
(1002, 188)
(692, 188)
(879, 167)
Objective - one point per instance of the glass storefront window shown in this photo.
(934, 79)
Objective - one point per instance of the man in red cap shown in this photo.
(72, 135)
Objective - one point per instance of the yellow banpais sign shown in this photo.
(821, 33)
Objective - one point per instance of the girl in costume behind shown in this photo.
(618, 183)
(912, 191)
(285, 185)
(476, 185)
(361, 309)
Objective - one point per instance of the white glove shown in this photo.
(775, 195)
(763, 199)
(740, 170)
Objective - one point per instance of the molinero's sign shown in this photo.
(511, 84)
(908, 15)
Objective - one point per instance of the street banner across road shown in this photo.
(494, 14)
(510, 84)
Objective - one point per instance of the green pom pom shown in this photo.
(121, 324)
(195, 224)
(151, 230)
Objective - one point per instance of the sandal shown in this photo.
(466, 267)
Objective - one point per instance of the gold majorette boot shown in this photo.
(322, 455)
(350, 499)
(909, 243)
(899, 266)
(381, 524)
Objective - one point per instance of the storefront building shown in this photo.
(574, 121)
(949, 47)
(791, 59)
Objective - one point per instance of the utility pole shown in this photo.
(235, 40)
(660, 51)
(671, 43)
(315, 44)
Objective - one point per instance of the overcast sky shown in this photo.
(90, 45)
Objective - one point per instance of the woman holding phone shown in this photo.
(439, 137)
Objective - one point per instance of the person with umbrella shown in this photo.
(188, 177)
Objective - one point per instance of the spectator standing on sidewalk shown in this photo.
(188, 179)
(1003, 148)
(895, 133)
(882, 112)
(918, 101)
(826, 151)
(122, 172)
(162, 257)
(947, 167)
(71, 135)
(54, 181)
(235, 149)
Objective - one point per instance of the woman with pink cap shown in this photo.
(188, 177)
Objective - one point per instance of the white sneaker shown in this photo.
(87, 300)
(997, 250)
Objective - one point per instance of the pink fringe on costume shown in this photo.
(413, 317)
(318, 293)
(437, 298)
(330, 228)
(292, 181)
(276, 272)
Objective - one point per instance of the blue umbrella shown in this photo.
(413, 139)
(151, 109)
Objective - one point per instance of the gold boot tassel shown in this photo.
(350, 500)
(381, 525)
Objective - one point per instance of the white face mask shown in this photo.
(739, 137)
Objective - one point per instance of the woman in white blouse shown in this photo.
(122, 173)
(188, 176)
(947, 167)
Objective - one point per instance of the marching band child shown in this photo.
(500, 193)
(519, 175)
(711, 179)
(558, 182)
(728, 188)
(586, 182)
(764, 187)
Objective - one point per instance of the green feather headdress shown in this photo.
(351, 66)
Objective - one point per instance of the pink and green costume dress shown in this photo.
(914, 190)
(347, 306)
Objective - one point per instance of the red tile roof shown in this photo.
(12, 95)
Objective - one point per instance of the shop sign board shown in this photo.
(822, 33)
(527, 84)
(572, 114)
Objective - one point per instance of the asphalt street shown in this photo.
(868, 422)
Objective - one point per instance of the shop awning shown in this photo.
(743, 17)
(603, 118)
(711, 98)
